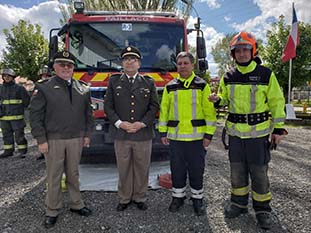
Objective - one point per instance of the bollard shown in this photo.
(304, 109)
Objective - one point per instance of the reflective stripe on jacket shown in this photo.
(185, 112)
(252, 89)
(13, 99)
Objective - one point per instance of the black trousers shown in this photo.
(11, 130)
(249, 159)
(188, 159)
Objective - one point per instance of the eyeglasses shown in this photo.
(129, 58)
(63, 65)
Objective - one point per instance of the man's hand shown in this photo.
(213, 98)
(165, 141)
(43, 148)
(125, 125)
(135, 127)
(206, 143)
(86, 142)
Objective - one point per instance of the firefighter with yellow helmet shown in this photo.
(256, 110)
(187, 123)
(13, 101)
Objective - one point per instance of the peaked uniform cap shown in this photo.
(64, 56)
(131, 51)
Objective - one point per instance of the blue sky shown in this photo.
(218, 17)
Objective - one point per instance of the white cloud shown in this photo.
(227, 18)
(213, 4)
(45, 14)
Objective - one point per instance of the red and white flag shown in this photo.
(292, 41)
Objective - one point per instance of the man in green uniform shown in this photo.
(61, 121)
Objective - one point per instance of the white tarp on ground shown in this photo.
(104, 177)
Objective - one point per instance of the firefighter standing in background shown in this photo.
(14, 100)
(131, 104)
(187, 123)
(44, 74)
(252, 93)
(61, 121)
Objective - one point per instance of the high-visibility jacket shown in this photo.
(13, 100)
(248, 90)
(185, 112)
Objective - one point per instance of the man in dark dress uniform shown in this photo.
(131, 104)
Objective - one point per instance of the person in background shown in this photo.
(61, 121)
(256, 109)
(187, 123)
(44, 74)
(13, 101)
(131, 104)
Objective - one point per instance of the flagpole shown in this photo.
(289, 81)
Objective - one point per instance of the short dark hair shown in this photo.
(186, 54)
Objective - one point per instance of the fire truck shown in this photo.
(96, 38)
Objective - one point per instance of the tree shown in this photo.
(130, 5)
(276, 40)
(26, 49)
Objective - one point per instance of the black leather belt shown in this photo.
(251, 119)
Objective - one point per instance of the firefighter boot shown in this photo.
(264, 220)
(176, 204)
(233, 211)
(6, 153)
(198, 207)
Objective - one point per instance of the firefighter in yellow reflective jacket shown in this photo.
(187, 123)
(13, 100)
(256, 109)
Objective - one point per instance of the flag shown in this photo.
(292, 41)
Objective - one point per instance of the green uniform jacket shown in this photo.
(248, 90)
(186, 114)
(131, 102)
(54, 116)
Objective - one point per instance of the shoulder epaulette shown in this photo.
(42, 80)
(82, 82)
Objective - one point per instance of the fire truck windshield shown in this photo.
(98, 45)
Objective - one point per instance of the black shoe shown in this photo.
(233, 211)
(49, 221)
(83, 212)
(176, 204)
(122, 206)
(6, 154)
(198, 207)
(40, 157)
(264, 220)
(141, 205)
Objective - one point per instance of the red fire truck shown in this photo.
(96, 38)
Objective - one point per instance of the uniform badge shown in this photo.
(118, 87)
(56, 87)
(65, 54)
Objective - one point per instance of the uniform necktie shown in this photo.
(131, 80)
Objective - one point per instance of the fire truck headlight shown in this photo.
(98, 127)
(79, 7)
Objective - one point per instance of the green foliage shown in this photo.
(221, 54)
(301, 65)
(129, 5)
(26, 49)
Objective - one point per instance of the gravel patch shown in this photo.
(22, 193)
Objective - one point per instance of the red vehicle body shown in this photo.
(96, 39)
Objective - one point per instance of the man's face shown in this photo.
(184, 67)
(7, 78)
(243, 55)
(130, 64)
(63, 70)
